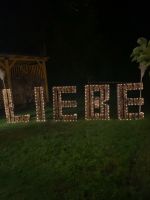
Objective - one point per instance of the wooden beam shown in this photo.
(46, 81)
(8, 74)
(2, 64)
(23, 58)
(12, 63)
(43, 66)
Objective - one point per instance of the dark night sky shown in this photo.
(85, 39)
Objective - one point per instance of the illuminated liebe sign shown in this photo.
(96, 103)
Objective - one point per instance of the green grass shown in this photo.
(102, 160)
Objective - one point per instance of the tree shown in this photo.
(141, 54)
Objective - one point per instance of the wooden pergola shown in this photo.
(33, 67)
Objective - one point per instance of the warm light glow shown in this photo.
(59, 104)
(124, 102)
(9, 109)
(95, 105)
(40, 104)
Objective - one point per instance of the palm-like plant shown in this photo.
(141, 54)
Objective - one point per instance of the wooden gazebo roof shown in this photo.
(13, 57)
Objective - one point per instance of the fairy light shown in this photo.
(96, 103)
(96, 107)
(124, 102)
(59, 104)
(9, 109)
(40, 104)
(9, 106)
(22, 118)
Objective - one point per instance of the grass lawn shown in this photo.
(83, 160)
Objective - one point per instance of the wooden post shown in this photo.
(8, 74)
(43, 66)
(46, 82)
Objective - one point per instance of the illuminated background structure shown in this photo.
(22, 74)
